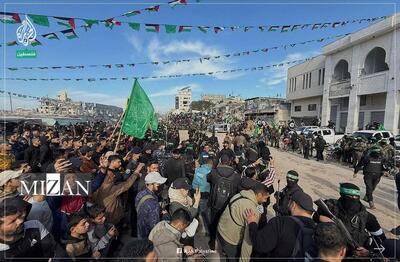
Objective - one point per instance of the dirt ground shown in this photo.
(321, 180)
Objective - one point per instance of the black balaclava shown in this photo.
(347, 193)
(292, 177)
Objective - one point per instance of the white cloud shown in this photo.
(277, 75)
(173, 90)
(136, 42)
(101, 98)
(158, 51)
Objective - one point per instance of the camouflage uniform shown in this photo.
(358, 150)
(388, 151)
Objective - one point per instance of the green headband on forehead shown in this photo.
(292, 176)
(349, 191)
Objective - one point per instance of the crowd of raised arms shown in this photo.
(157, 198)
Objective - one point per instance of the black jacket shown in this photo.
(278, 237)
(173, 169)
(32, 156)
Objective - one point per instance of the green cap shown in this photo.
(349, 189)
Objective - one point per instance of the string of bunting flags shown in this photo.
(92, 79)
(200, 59)
(19, 95)
(171, 28)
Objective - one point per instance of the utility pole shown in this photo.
(11, 102)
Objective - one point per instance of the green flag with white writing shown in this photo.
(140, 114)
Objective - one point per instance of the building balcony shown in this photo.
(340, 88)
(373, 83)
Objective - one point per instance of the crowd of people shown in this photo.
(151, 198)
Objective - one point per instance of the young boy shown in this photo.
(76, 242)
(100, 234)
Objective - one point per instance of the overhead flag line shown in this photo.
(92, 79)
(200, 59)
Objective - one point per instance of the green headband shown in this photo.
(350, 192)
(292, 176)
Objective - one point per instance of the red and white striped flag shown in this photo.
(269, 180)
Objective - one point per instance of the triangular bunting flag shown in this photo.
(153, 8)
(40, 20)
(69, 33)
(177, 2)
(9, 18)
(65, 21)
(132, 13)
(90, 22)
(50, 36)
(119, 65)
(12, 43)
(111, 22)
(134, 26)
(184, 28)
(35, 43)
(170, 29)
(152, 28)
(204, 29)
(218, 29)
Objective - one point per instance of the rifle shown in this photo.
(321, 204)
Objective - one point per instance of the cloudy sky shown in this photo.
(122, 45)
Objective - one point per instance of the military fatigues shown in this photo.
(358, 151)
(373, 171)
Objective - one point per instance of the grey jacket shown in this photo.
(166, 243)
(173, 206)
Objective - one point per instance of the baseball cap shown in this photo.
(110, 153)
(303, 200)
(181, 183)
(136, 150)
(154, 177)
(5, 176)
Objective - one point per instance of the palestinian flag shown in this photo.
(50, 36)
(119, 65)
(218, 29)
(9, 18)
(152, 28)
(69, 33)
(65, 21)
(177, 2)
(132, 13)
(184, 28)
(35, 43)
(153, 8)
(204, 29)
(111, 22)
(91, 79)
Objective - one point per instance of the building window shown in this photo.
(323, 75)
(304, 80)
(312, 107)
(309, 81)
(297, 108)
(341, 71)
(295, 83)
(363, 100)
(319, 77)
(375, 61)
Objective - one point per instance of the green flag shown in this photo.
(40, 19)
(170, 29)
(134, 26)
(140, 114)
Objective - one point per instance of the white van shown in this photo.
(222, 128)
(327, 133)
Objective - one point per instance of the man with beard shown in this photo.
(226, 151)
(283, 197)
(20, 238)
(32, 155)
(146, 203)
(356, 218)
(174, 167)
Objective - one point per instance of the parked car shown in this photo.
(327, 133)
(304, 129)
(378, 134)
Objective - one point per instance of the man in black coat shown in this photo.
(32, 155)
(174, 167)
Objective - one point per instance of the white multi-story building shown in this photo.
(183, 100)
(361, 82)
(305, 84)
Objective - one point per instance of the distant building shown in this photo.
(183, 99)
(64, 106)
(215, 99)
(305, 85)
(267, 109)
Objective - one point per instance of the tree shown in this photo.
(201, 105)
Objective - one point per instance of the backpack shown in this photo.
(305, 246)
(222, 193)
